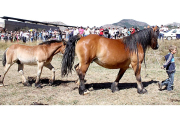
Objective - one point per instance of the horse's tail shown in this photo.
(4, 57)
(69, 54)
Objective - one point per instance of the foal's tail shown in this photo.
(4, 57)
(69, 54)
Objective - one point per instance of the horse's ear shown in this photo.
(155, 28)
(64, 42)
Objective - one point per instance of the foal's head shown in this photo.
(154, 40)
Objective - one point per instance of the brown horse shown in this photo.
(110, 53)
(40, 55)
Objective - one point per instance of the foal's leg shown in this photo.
(40, 67)
(20, 70)
(81, 70)
(50, 67)
(140, 88)
(114, 86)
(7, 66)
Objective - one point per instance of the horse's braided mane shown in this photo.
(142, 37)
(50, 42)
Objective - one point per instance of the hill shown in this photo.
(130, 22)
(110, 26)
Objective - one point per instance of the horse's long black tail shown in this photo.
(69, 54)
(4, 57)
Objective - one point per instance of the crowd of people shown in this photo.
(33, 35)
(113, 33)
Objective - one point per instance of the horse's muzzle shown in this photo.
(155, 48)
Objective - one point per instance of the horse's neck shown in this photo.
(54, 48)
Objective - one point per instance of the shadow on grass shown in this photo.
(107, 85)
(45, 81)
(95, 86)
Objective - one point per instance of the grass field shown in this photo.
(99, 81)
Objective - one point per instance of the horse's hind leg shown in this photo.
(114, 86)
(20, 70)
(40, 67)
(140, 88)
(7, 66)
(76, 67)
(50, 67)
(81, 70)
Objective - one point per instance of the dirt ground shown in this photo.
(99, 81)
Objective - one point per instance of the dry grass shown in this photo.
(98, 82)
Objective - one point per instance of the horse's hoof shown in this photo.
(1, 85)
(114, 87)
(83, 92)
(27, 84)
(86, 92)
(142, 91)
(51, 83)
(38, 85)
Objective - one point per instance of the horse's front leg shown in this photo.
(50, 67)
(20, 70)
(140, 88)
(39, 71)
(114, 86)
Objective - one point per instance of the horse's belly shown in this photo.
(113, 65)
(28, 61)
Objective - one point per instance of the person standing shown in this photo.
(21, 33)
(81, 31)
(88, 29)
(50, 33)
(76, 31)
(57, 35)
(106, 33)
(101, 30)
(170, 69)
(112, 33)
(86, 32)
(67, 34)
(133, 30)
(116, 33)
(125, 32)
(60, 34)
(161, 31)
(97, 31)
(44, 35)
(178, 33)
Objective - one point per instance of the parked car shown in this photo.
(170, 35)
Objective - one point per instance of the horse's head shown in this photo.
(154, 40)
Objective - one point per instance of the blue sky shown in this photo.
(93, 12)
